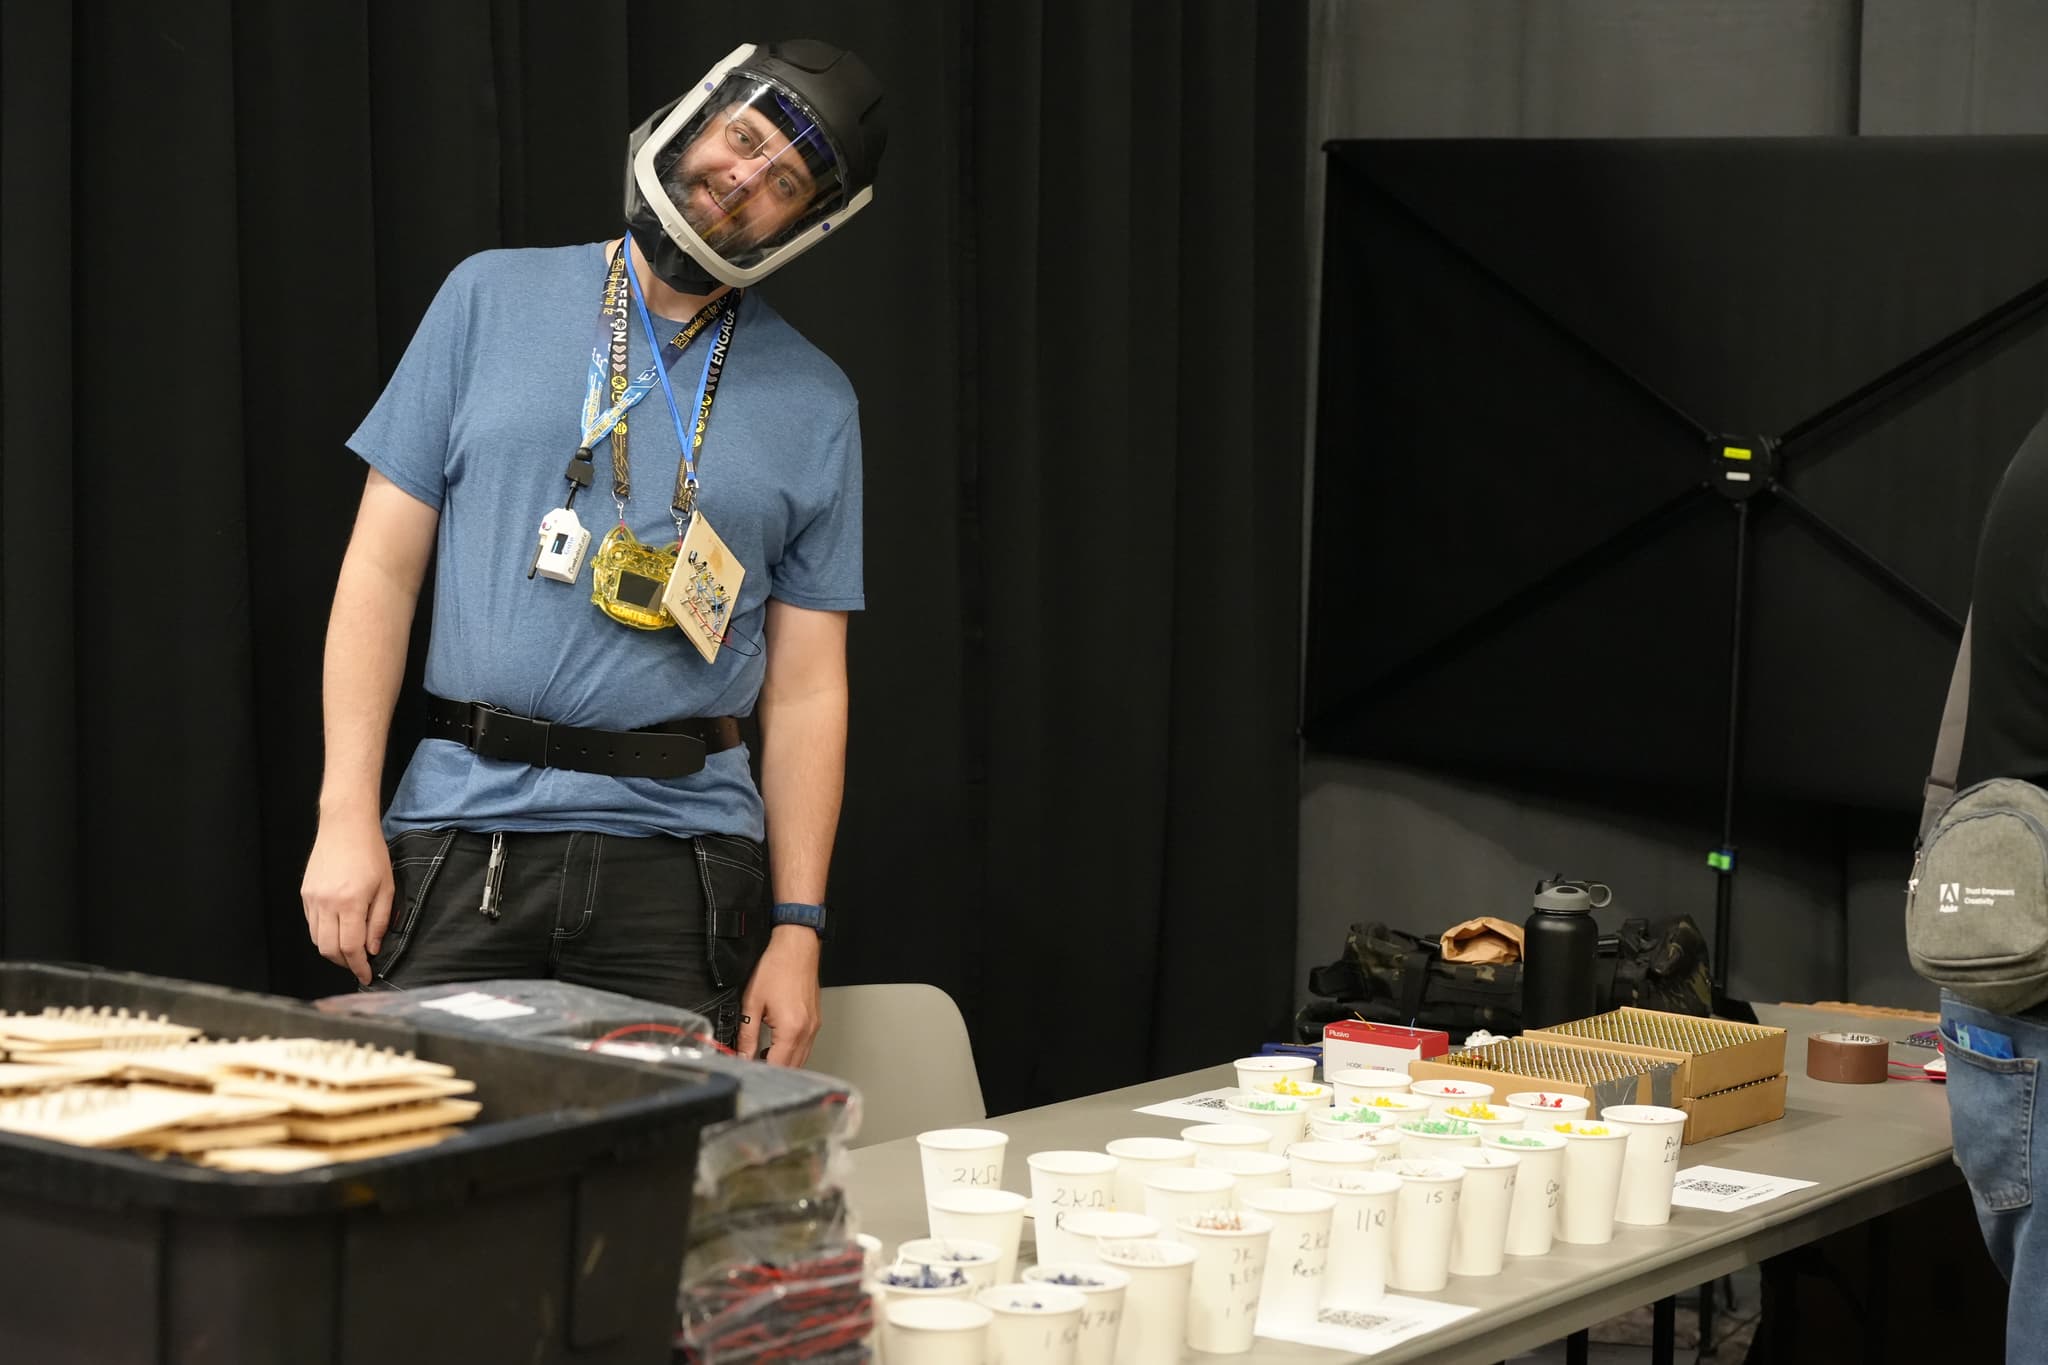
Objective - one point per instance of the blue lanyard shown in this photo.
(596, 424)
(685, 500)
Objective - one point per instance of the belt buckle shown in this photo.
(523, 740)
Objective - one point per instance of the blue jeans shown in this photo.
(1991, 1106)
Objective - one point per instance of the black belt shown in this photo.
(675, 748)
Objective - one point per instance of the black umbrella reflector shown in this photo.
(1535, 358)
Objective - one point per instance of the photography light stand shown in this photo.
(1745, 473)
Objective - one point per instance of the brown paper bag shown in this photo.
(1485, 939)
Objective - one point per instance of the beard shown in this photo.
(691, 189)
(720, 230)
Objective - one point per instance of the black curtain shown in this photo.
(1075, 319)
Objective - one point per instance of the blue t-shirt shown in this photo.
(480, 420)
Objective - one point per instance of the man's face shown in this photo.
(740, 182)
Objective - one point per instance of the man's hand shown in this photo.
(347, 894)
(783, 994)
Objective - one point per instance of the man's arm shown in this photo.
(347, 888)
(803, 773)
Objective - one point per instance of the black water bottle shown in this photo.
(1558, 942)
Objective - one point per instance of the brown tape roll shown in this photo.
(1852, 1058)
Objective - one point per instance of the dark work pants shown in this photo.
(676, 921)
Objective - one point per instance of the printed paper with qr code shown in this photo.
(1368, 1331)
(1718, 1190)
(1206, 1107)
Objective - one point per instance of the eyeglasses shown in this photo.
(746, 140)
(792, 180)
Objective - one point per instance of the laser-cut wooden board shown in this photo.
(281, 1160)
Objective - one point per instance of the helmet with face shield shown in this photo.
(771, 152)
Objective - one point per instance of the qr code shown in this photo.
(1720, 1187)
(1344, 1317)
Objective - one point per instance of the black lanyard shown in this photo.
(625, 395)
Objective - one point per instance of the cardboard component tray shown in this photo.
(1547, 1064)
(1732, 1110)
(1731, 1075)
(1726, 1054)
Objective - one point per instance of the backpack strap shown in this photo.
(1948, 744)
(1414, 980)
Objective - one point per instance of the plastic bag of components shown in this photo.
(813, 1310)
(781, 1111)
(769, 1226)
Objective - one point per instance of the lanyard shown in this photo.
(685, 499)
(625, 395)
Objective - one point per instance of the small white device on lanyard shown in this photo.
(563, 543)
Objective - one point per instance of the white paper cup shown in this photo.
(1340, 1124)
(1486, 1117)
(1650, 1167)
(962, 1156)
(1356, 1084)
(1593, 1155)
(1312, 1094)
(1209, 1136)
(1230, 1266)
(1423, 1142)
(1063, 1183)
(937, 1332)
(1399, 1105)
(1442, 1094)
(1387, 1139)
(1532, 1214)
(1102, 1289)
(994, 1216)
(1545, 1109)
(1256, 1072)
(1308, 1162)
(1425, 1219)
(1252, 1171)
(1137, 1155)
(1155, 1325)
(1479, 1240)
(1284, 1121)
(981, 1262)
(901, 1284)
(1297, 1254)
(1092, 1227)
(1035, 1324)
(1361, 1237)
(1173, 1192)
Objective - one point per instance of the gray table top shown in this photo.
(1868, 1148)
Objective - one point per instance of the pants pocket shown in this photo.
(733, 876)
(417, 857)
(1992, 1121)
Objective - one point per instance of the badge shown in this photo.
(703, 591)
(627, 579)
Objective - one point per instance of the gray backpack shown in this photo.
(1977, 903)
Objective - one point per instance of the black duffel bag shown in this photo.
(1388, 977)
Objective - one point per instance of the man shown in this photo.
(583, 808)
(1994, 1059)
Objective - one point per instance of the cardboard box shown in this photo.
(1700, 1073)
(1354, 1042)
(1730, 1111)
(1646, 1087)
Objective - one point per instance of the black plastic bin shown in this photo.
(552, 1231)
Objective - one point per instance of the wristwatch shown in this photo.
(795, 912)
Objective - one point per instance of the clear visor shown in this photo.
(750, 170)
